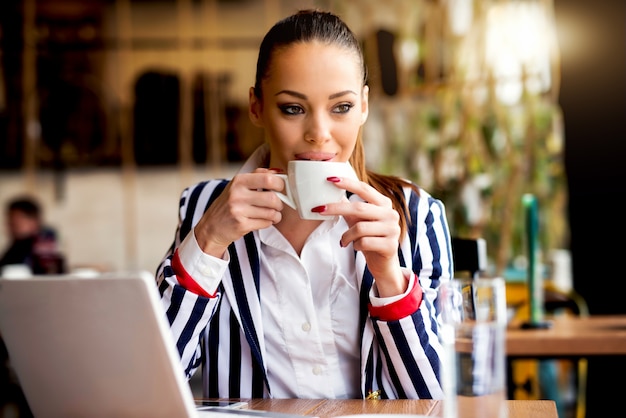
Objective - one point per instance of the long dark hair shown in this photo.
(321, 26)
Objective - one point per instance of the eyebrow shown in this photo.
(303, 97)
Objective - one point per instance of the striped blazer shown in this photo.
(224, 334)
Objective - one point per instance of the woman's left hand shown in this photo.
(374, 230)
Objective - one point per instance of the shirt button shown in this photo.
(306, 327)
(317, 370)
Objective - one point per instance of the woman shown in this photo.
(275, 306)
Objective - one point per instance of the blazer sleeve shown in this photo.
(187, 312)
(410, 347)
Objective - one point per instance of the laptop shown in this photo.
(94, 347)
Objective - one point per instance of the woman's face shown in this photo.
(313, 103)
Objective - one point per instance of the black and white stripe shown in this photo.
(225, 333)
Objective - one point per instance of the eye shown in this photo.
(291, 109)
(343, 108)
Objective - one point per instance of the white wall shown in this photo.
(92, 216)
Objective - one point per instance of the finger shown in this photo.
(254, 204)
(241, 204)
(361, 189)
(376, 230)
(263, 207)
(383, 246)
(268, 170)
(262, 221)
(234, 221)
(266, 180)
(354, 211)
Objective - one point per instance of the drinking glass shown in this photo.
(473, 317)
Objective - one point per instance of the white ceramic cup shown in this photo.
(474, 320)
(306, 185)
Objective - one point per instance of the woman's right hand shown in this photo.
(246, 204)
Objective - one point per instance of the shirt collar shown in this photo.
(256, 159)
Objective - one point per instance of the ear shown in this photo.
(365, 108)
(255, 108)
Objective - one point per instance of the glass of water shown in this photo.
(473, 318)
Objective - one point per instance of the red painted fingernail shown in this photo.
(278, 170)
(333, 179)
(319, 209)
(340, 244)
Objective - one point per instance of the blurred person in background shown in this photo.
(31, 243)
(32, 246)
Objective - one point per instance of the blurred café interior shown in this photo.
(109, 108)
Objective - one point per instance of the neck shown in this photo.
(294, 229)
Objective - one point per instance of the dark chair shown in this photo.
(469, 256)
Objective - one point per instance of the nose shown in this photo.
(318, 128)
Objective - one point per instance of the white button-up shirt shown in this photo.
(310, 309)
(311, 314)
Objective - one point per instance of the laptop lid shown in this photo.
(93, 347)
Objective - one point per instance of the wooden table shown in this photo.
(324, 408)
(570, 337)
(596, 335)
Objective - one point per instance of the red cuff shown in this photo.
(185, 280)
(400, 308)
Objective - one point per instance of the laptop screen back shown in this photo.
(93, 347)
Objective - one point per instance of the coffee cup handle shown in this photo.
(288, 197)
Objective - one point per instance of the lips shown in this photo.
(315, 156)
